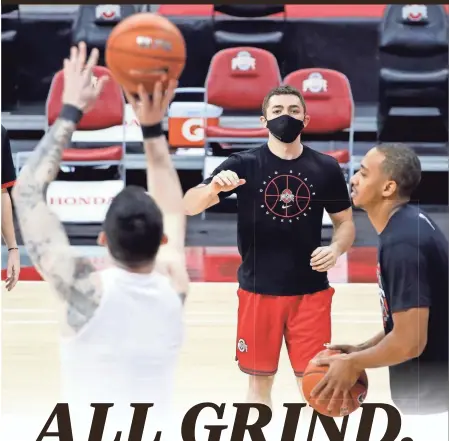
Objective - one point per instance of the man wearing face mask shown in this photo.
(282, 188)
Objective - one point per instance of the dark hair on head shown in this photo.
(133, 227)
(282, 90)
(401, 165)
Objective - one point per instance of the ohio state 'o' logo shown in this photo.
(287, 196)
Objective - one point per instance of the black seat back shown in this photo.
(413, 77)
(410, 34)
(94, 23)
(250, 25)
(414, 30)
(249, 11)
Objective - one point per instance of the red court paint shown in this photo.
(220, 264)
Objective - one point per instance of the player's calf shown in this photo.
(259, 390)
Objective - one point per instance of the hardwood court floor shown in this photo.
(207, 370)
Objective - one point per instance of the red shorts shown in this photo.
(264, 320)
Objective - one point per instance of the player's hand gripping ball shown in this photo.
(344, 402)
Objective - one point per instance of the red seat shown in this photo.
(229, 132)
(108, 111)
(238, 80)
(330, 104)
(342, 156)
(110, 154)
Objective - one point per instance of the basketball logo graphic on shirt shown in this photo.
(383, 299)
(242, 346)
(286, 196)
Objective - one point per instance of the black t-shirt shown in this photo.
(8, 171)
(413, 272)
(280, 213)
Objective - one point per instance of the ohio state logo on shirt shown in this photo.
(286, 197)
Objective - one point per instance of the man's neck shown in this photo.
(380, 214)
(144, 269)
(285, 151)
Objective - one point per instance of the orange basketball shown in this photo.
(313, 375)
(145, 48)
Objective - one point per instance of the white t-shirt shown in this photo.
(128, 351)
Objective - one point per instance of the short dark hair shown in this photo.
(282, 90)
(133, 227)
(402, 165)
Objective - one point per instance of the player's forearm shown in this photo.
(43, 164)
(8, 233)
(343, 237)
(390, 351)
(162, 177)
(372, 341)
(29, 190)
(43, 235)
(198, 199)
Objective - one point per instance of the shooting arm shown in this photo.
(164, 186)
(43, 235)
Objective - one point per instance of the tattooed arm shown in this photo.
(43, 235)
(73, 278)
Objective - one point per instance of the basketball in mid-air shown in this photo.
(145, 48)
(313, 375)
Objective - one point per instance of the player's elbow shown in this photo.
(415, 347)
(193, 203)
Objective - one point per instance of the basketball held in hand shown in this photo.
(314, 374)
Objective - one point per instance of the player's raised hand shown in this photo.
(150, 110)
(81, 88)
(226, 180)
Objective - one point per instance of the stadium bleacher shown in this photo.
(355, 64)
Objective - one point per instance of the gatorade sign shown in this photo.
(187, 121)
(193, 130)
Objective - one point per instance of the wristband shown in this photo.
(13, 248)
(153, 131)
(71, 113)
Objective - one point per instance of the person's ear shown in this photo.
(101, 239)
(306, 120)
(390, 187)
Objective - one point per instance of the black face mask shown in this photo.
(285, 128)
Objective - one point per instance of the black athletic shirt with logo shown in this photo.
(412, 273)
(8, 171)
(280, 212)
